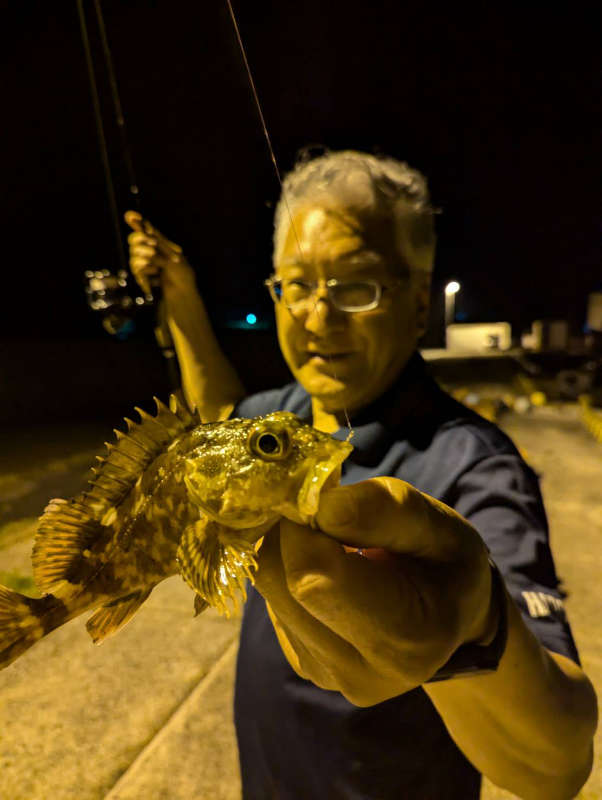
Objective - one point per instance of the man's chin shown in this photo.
(320, 384)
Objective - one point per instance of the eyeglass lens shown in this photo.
(344, 295)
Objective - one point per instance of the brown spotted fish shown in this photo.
(172, 496)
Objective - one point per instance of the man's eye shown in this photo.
(357, 293)
(296, 290)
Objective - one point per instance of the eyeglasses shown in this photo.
(347, 296)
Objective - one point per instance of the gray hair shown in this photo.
(376, 186)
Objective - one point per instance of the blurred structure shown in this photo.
(479, 337)
(594, 312)
(547, 335)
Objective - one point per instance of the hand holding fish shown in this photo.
(377, 626)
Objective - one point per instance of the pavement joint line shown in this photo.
(195, 693)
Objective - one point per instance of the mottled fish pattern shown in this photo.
(173, 495)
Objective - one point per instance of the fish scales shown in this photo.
(172, 496)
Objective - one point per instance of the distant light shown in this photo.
(452, 287)
(251, 319)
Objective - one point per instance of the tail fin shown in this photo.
(23, 621)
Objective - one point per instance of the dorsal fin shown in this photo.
(135, 450)
(67, 528)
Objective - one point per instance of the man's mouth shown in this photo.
(326, 357)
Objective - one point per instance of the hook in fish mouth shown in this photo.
(321, 474)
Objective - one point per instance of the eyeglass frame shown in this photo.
(330, 284)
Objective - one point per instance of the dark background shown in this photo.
(497, 103)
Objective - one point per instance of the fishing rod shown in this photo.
(112, 287)
(107, 292)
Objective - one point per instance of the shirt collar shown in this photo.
(402, 408)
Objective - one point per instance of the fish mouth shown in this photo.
(322, 473)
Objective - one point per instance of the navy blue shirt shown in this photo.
(299, 742)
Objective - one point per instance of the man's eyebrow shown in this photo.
(361, 256)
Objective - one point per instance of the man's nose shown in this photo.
(321, 314)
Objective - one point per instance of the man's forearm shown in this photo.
(528, 726)
(209, 380)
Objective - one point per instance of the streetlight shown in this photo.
(452, 288)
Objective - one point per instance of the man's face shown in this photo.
(345, 360)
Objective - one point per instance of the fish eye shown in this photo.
(269, 445)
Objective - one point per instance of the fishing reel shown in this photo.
(115, 299)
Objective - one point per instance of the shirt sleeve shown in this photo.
(500, 496)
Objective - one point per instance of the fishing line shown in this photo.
(104, 153)
(125, 145)
(277, 170)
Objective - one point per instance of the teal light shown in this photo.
(251, 319)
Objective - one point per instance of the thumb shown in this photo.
(391, 514)
(135, 221)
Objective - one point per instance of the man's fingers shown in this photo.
(409, 522)
(138, 238)
(168, 247)
(155, 262)
(142, 250)
(148, 231)
(310, 639)
(141, 268)
(318, 569)
(303, 660)
(374, 606)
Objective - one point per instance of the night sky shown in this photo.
(499, 105)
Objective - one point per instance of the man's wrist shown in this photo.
(494, 611)
(475, 658)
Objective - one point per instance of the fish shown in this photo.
(173, 495)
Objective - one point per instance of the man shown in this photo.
(382, 655)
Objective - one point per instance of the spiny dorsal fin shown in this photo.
(135, 450)
(67, 528)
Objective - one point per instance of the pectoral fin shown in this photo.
(114, 615)
(215, 561)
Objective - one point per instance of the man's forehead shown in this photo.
(336, 225)
(334, 233)
(359, 256)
